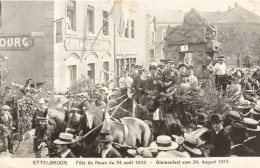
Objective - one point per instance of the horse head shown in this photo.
(72, 122)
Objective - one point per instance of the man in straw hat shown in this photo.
(190, 145)
(64, 144)
(107, 150)
(253, 130)
(244, 107)
(231, 116)
(221, 141)
(237, 134)
(166, 147)
(255, 113)
(219, 71)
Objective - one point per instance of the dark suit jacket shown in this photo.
(242, 150)
(221, 144)
(253, 144)
(113, 153)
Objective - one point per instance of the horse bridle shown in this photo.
(71, 129)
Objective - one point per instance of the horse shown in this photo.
(128, 131)
(80, 123)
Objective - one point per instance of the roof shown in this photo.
(236, 14)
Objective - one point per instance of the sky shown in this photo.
(204, 5)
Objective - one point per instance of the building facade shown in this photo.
(58, 42)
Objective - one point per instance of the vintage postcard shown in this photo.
(123, 83)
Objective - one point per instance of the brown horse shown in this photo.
(129, 131)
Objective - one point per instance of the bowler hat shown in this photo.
(152, 67)
(201, 118)
(215, 118)
(64, 138)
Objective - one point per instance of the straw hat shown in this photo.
(64, 138)
(5, 107)
(251, 124)
(244, 104)
(190, 144)
(164, 143)
(255, 110)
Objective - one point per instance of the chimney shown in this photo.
(236, 4)
(229, 7)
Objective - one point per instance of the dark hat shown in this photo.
(221, 57)
(182, 65)
(215, 118)
(184, 75)
(170, 61)
(162, 60)
(233, 115)
(6, 88)
(140, 68)
(135, 66)
(237, 128)
(201, 118)
(152, 67)
(106, 138)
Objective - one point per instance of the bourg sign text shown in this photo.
(80, 44)
(15, 42)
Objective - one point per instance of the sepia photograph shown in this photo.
(130, 79)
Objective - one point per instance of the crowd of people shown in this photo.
(235, 133)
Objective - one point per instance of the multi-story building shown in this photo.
(163, 19)
(59, 41)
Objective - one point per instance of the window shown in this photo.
(58, 31)
(91, 71)
(105, 23)
(127, 29)
(71, 15)
(151, 52)
(90, 19)
(132, 29)
(106, 72)
(72, 69)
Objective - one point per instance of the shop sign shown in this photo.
(81, 44)
(15, 42)
(184, 48)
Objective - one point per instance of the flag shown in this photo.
(117, 14)
(120, 14)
